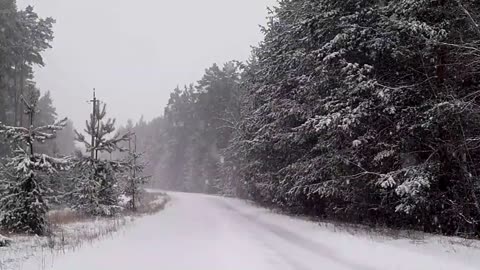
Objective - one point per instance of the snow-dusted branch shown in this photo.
(469, 15)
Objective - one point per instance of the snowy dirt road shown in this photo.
(212, 233)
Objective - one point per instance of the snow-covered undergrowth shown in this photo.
(154, 202)
(382, 234)
(430, 245)
(65, 237)
(4, 241)
(358, 242)
(70, 231)
(356, 247)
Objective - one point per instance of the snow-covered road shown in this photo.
(205, 232)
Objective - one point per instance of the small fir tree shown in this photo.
(23, 206)
(135, 180)
(97, 189)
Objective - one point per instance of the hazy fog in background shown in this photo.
(141, 48)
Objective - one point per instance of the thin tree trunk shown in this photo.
(22, 86)
(15, 87)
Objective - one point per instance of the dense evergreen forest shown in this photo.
(359, 111)
(356, 111)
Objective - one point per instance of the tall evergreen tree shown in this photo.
(23, 38)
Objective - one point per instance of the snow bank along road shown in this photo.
(199, 232)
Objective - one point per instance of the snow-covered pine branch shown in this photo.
(38, 134)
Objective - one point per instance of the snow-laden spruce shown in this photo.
(23, 205)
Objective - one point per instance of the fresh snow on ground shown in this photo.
(214, 233)
(34, 251)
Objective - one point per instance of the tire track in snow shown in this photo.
(277, 256)
(306, 244)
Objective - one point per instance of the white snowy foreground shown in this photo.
(199, 232)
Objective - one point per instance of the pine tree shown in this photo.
(23, 204)
(97, 180)
(151, 144)
(135, 179)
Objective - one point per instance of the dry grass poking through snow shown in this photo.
(65, 216)
(71, 230)
(152, 202)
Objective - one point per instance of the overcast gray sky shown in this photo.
(135, 52)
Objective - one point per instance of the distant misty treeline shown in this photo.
(184, 147)
(357, 111)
